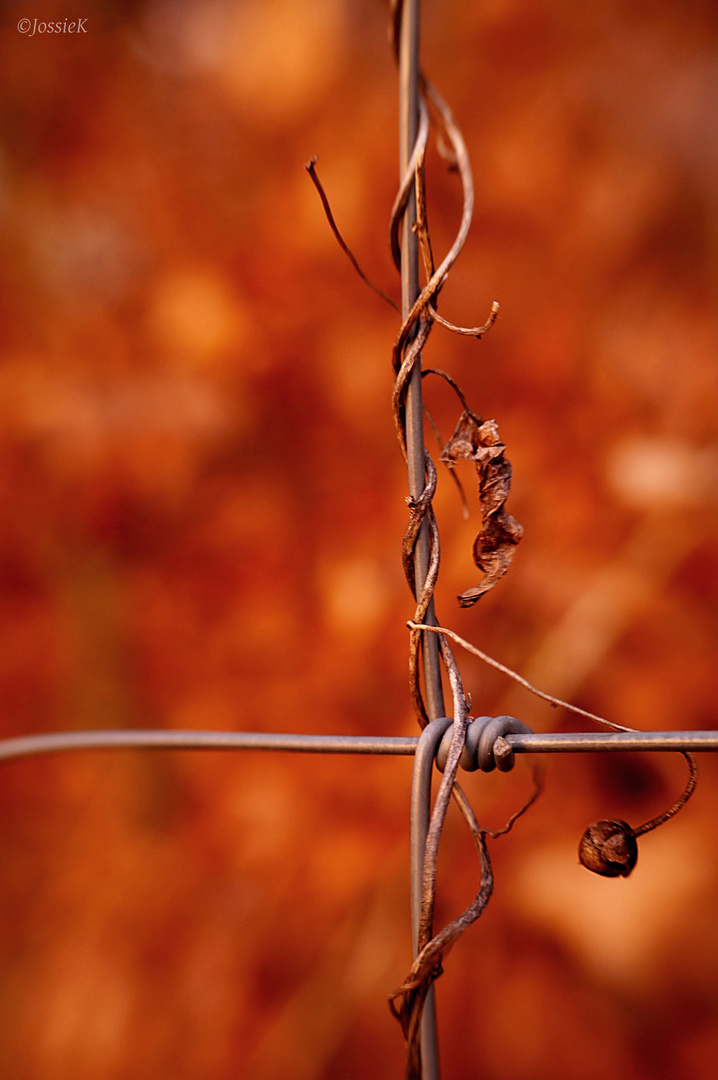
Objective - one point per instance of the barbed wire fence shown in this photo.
(458, 740)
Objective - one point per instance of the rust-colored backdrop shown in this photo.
(202, 505)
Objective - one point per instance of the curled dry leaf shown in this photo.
(500, 533)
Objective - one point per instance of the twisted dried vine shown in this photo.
(408, 1001)
(479, 442)
(406, 357)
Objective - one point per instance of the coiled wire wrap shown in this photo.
(485, 748)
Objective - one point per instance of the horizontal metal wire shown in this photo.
(29, 745)
(558, 742)
(551, 743)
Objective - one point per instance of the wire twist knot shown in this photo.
(485, 747)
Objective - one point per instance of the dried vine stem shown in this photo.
(427, 966)
(680, 801)
(421, 229)
(408, 183)
(419, 510)
(468, 331)
(310, 167)
(406, 357)
(442, 799)
(437, 434)
(608, 847)
(416, 328)
(429, 293)
(556, 702)
(457, 390)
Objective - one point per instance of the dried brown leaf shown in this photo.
(500, 533)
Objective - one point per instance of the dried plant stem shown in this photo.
(340, 239)
(421, 229)
(516, 677)
(427, 965)
(679, 803)
(442, 799)
(666, 815)
(468, 331)
(409, 237)
(454, 478)
(420, 226)
(456, 388)
(435, 283)
(407, 184)
(538, 788)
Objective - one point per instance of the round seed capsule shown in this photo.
(608, 848)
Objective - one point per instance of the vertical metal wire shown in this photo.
(408, 126)
(420, 813)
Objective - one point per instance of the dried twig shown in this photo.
(607, 847)
(420, 226)
(427, 966)
(435, 283)
(468, 331)
(407, 185)
(666, 815)
(680, 801)
(340, 239)
(406, 356)
(440, 441)
(442, 799)
(421, 229)
(538, 788)
(456, 388)
(556, 702)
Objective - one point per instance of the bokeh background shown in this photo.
(202, 505)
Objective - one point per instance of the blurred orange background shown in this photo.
(203, 504)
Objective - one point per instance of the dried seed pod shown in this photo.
(609, 848)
